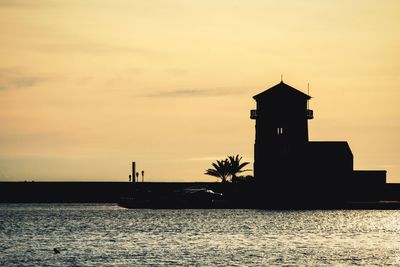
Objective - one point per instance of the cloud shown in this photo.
(12, 3)
(91, 48)
(195, 93)
(27, 4)
(13, 79)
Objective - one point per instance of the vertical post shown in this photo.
(133, 171)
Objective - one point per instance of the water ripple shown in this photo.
(93, 235)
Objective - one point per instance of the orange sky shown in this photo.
(88, 86)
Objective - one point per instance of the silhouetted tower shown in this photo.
(281, 129)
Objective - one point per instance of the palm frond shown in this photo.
(227, 168)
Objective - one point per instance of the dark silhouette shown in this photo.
(227, 169)
(133, 171)
(220, 170)
(142, 176)
(288, 168)
(235, 167)
(245, 179)
(63, 192)
(56, 251)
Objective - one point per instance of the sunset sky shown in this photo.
(86, 87)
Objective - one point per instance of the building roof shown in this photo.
(281, 89)
(330, 148)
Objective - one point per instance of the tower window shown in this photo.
(279, 131)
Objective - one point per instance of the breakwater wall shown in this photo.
(111, 192)
(63, 192)
(79, 192)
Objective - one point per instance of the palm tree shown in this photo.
(235, 166)
(228, 168)
(221, 170)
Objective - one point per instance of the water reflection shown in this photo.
(109, 235)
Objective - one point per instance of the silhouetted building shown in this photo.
(281, 127)
(287, 166)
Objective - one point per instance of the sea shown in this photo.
(108, 235)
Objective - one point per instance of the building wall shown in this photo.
(280, 130)
(368, 185)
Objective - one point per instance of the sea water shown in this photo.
(107, 235)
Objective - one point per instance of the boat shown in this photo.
(187, 198)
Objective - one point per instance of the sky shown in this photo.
(86, 87)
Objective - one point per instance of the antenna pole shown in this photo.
(281, 77)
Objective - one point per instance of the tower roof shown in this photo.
(281, 89)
